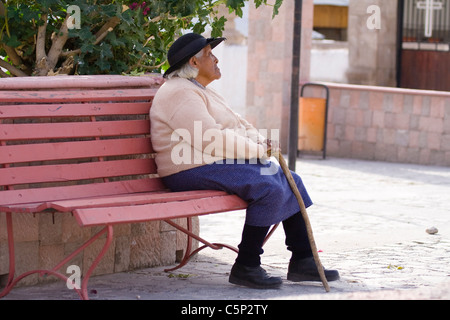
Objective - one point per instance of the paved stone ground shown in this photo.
(369, 221)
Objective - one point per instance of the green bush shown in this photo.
(43, 37)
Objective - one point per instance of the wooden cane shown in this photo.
(312, 243)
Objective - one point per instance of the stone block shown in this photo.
(414, 139)
(354, 99)
(78, 259)
(350, 117)
(363, 118)
(71, 231)
(25, 227)
(333, 146)
(3, 230)
(334, 99)
(389, 136)
(378, 118)
(345, 99)
(4, 261)
(106, 264)
(424, 156)
(423, 140)
(445, 143)
(430, 124)
(402, 121)
(434, 141)
(339, 132)
(417, 104)
(437, 158)
(414, 121)
(122, 230)
(389, 120)
(339, 116)
(398, 103)
(122, 253)
(376, 100)
(408, 104)
(371, 135)
(390, 153)
(50, 228)
(146, 247)
(169, 243)
(350, 133)
(388, 102)
(363, 150)
(49, 256)
(426, 106)
(27, 258)
(402, 138)
(437, 107)
(361, 134)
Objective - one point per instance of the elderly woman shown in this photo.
(184, 113)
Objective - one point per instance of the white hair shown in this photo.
(186, 71)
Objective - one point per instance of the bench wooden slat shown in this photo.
(65, 95)
(73, 172)
(73, 110)
(132, 199)
(16, 198)
(37, 131)
(74, 150)
(158, 211)
(120, 200)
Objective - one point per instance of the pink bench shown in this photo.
(89, 152)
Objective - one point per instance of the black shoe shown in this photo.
(306, 270)
(253, 277)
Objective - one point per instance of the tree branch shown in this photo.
(100, 35)
(15, 71)
(4, 74)
(97, 41)
(112, 23)
(16, 59)
(2, 9)
(58, 44)
(40, 42)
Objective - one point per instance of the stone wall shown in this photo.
(44, 239)
(389, 124)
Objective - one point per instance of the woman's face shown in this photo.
(208, 70)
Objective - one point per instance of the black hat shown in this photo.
(187, 46)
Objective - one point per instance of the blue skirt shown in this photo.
(262, 185)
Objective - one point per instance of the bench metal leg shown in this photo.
(216, 246)
(270, 233)
(189, 253)
(82, 292)
(12, 260)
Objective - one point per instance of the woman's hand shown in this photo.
(273, 147)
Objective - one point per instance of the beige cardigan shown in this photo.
(193, 126)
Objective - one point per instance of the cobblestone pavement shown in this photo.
(369, 220)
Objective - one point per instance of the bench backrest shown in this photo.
(58, 144)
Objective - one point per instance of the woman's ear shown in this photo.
(193, 62)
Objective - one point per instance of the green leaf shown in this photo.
(236, 6)
(276, 8)
(103, 64)
(105, 50)
(87, 47)
(12, 41)
(218, 26)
